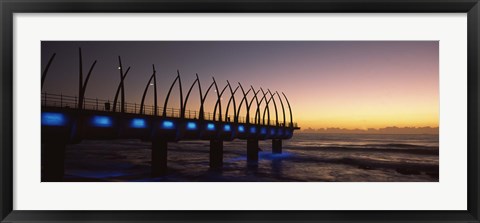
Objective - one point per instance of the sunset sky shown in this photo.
(345, 84)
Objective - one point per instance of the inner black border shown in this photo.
(9, 7)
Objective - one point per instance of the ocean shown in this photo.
(307, 157)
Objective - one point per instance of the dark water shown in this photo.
(306, 157)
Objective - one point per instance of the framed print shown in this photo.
(239, 111)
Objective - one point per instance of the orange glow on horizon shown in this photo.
(364, 113)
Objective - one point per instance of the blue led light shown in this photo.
(168, 125)
(280, 132)
(253, 130)
(263, 131)
(191, 125)
(272, 131)
(227, 128)
(210, 126)
(102, 121)
(138, 123)
(241, 128)
(53, 119)
(289, 133)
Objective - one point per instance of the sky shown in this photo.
(340, 84)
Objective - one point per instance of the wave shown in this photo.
(419, 150)
(189, 161)
(366, 163)
(406, 168)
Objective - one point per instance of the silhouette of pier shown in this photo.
(71, 119)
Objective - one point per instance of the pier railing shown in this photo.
(95, 104)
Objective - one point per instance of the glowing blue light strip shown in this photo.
(272, 131)
(280, 132)
(191, 125)
(241, 128)
(263, 131)
(289, 133)
(168, 125)
(53, 119)
(102, 121)
(138, 123)
(210, 126)
(227, 128)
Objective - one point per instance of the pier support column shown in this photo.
(159, 157)
(252, 149)
(53, 161)
(216, 153)
(276, 146)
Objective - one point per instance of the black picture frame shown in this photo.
(9, 7)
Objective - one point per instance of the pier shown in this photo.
(71, 119)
